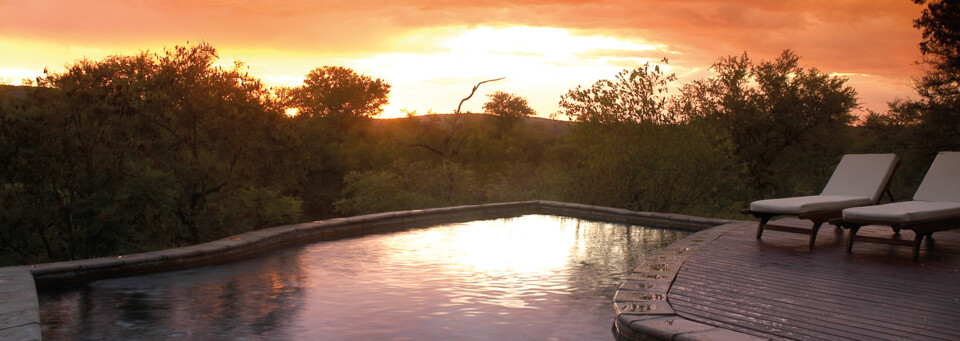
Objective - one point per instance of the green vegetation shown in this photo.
(917, 129)
(156, 150)
(508, 108)
(140, 152)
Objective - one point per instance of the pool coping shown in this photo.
(19, 311)
(19, 308)
(643, 311)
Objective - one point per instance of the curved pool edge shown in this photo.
(19, 308)
(24, 300)
(642, 309)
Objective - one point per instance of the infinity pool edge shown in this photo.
(13, 309)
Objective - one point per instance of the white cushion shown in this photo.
(942, 182)
(807, 204)
(903, 212)
(861, 175)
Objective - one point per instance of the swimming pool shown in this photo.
(528, 277)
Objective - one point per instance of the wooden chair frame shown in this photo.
(818, 219)
(920, 229)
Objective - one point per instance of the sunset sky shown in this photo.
(432, 52)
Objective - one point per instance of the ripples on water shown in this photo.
(532, 277)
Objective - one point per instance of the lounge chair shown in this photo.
(935, 207)
(859, 180)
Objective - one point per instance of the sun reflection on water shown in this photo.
(527, 277)
(499, 248)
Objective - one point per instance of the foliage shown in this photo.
(142, 152)
(940, 26)
(634, 95)
(339, 94)
(937, 112)
(135, 152)
(919, 128)
(489, 165)
(682, 168)
(783, 120)
(334, 106)
(508, 108)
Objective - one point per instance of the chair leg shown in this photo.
(763, 221)
(853, 235)
(916, 246)
(813, 233)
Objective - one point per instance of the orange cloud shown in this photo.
(283, 40)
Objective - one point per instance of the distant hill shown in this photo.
(13, 91)
(18, 91)
(472, 117)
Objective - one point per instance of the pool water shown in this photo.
(530, 277)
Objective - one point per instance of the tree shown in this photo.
(508, 108)
(777, 114)
(936, 115)
(333, 105)
(940, 25)
(449, 145)
(141, 152)
(916, 129)
(634, 95)
(339, 94)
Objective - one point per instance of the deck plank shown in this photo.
(805, 315)
(777, 287)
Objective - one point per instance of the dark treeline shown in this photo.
(156, 150)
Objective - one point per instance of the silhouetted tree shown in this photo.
(937, 112)
(138, 152)
(450, 144)
(940, 26)
(339, 94)
(634, 95)
(916, 129)
(334, 106)
(508, 108)
(778, 114)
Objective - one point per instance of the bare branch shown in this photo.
(424, 146)
(448, 150)
(474, 91)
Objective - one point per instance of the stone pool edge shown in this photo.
(19, 307)
(643, 310)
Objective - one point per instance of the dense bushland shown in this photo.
(155, 150)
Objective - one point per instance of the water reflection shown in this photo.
(534, 276)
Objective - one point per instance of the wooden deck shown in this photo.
(779, 289)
